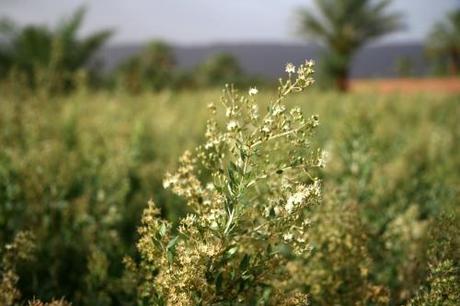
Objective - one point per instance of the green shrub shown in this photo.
(248, 214)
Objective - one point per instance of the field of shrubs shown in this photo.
(355, 202)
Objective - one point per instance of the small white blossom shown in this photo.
(231, 111)
(253, 91)
(266, 129)
(278, 109)
(254, 112)
(306, 223)
(267, 211)
(294, 200)
(310, 63)
(169, 181)
(232, 125)
(212, 107)
(315, 120)
(301, 195)
(208, 145)
(288, 237)
(290, 68)
(323, 158)
(189, 220)
(315, 188)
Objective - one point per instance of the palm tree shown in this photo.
(158, 61)
(33, 49)
(152, 69)
(344, 26)
(444, 41)
(220, 69)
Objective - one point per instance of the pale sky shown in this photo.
(189, 22)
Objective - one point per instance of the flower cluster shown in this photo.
(248, 189)
(20, 249)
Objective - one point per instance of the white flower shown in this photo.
(232, 125)
(296, 112)
(266, 129)
(295, 200)
(267, 211)
(189, 220)
(301, 195)
(285, 184)
(315, 120)
(310, 63)
(322, 160)
(253, 91)
(289, 206)
(212, 107)
(208, 145)
(290, 68)
(288, 236)
(315, 188)
(170, 180)
(230, 112)
(254, 111)
(278, 109)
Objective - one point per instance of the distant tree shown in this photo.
(344, 26)
(218, 70)
(129, 75)
(158, 62)
(444, 42)
(404, 66)
(40, 52)
(152, 69)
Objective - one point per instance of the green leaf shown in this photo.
(162, 230)
(266, 294)
(232, 181)
(233, 167)
(244, 264)
(172, 243)
(230, 252)
(218, 282)
(170, 256)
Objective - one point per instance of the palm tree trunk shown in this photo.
(342, 80)
(455, 62)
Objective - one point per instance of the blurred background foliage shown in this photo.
(48, 59)
(56, 61)
(444, 45)
(78, 171)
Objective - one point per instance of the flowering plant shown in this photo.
(248, 189)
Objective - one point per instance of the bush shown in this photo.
(247, 215)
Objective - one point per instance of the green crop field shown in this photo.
(78, 171)
(151, 156)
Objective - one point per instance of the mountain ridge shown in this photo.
(265, 59)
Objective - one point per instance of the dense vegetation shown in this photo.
(76, 173)
(283, 197)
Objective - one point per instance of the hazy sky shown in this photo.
(206, 21)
